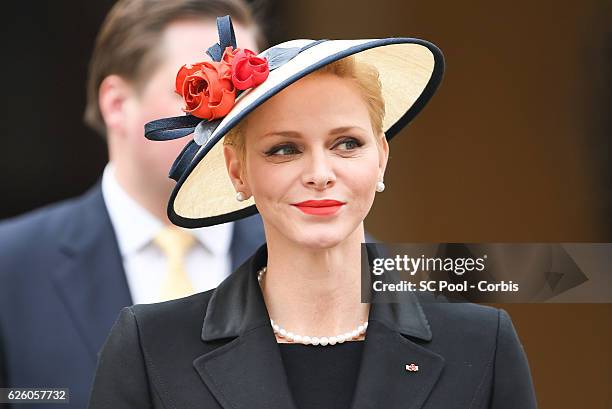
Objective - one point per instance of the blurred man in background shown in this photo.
(67, 269)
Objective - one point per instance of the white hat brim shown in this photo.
(409, 69)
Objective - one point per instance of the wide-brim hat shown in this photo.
(410, 70)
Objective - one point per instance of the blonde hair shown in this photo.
(364, 76)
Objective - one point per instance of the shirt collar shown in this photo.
(125, 213)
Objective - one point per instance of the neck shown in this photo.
(141, 190)
(315, 292)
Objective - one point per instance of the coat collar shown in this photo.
(237, 306)
(244, 369)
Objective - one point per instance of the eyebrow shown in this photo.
(295, 134)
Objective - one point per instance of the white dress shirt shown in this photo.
(207, 263)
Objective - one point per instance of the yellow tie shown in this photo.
(175, 243)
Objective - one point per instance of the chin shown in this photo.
(311, 233)
(321, 237)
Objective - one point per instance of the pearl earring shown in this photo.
(240, 197)
(380, 186)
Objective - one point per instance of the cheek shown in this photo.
(361, 176)
(158, 155)
(164, 153)
(270, 182)
(160, 105)
(155, 104)
(360, 183)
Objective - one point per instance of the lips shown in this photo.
(319, 203)
(319, 207)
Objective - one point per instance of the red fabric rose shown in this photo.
(248, 70)
(207, 89)
(184, 72)
(227, 60)
(228, 55)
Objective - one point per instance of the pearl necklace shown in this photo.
(305, 339)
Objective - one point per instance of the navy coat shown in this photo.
(62, 285)
(217, 350)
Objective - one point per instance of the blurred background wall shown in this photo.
(515, 147)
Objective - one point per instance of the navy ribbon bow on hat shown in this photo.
(166, 129)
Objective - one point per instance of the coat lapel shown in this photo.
(397, 325)
(383, 380)
(91, 282)
(247, 371)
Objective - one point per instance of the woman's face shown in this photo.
(312, 161)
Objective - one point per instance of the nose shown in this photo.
(318, 172)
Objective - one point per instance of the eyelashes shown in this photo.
(288, 149)
(355, 142)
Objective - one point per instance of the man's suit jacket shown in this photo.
(62, 286)
(217, 350)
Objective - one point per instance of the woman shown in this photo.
(287, 329)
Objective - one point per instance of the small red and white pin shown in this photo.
(412, 367)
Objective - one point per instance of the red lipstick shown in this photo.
(319, 207)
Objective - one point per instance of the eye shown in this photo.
(349, 144)
(282, 150)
